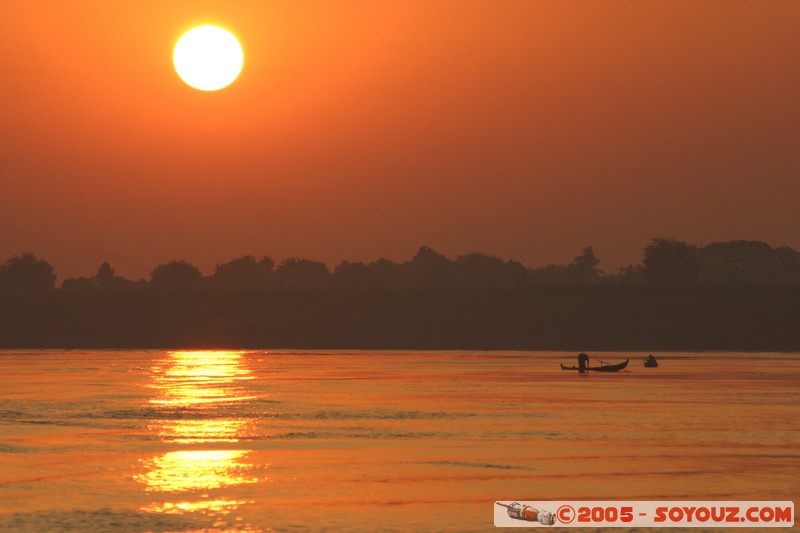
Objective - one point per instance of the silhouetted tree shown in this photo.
(301, 273)
(245, 272)
(671, 261)
(742, 262)
(627, 275)
(105, 274)
(584, 267)
(481, 270)
(384, 274)
(78, 284)
(176, 275)
(549, 276)
(788, 264)
(104, 279)
(430, 268)
(347, 274)
(379, 275)
(581, 271)
(26, 273)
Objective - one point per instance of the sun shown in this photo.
(208, 58)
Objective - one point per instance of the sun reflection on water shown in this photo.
(197, 392)
(190, 470)
(191, 379)
(198, 431)
(210, 507)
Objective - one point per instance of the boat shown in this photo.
(650, 362)
(602, 368)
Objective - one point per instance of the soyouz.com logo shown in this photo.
(725, 514)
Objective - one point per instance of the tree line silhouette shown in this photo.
(665, 262)
(738, 295)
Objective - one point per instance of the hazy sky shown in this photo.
(361, 130)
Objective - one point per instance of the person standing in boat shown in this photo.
(583, 362)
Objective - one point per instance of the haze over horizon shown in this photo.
(359, 131)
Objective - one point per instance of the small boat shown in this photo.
(602, 368)
(650, 362)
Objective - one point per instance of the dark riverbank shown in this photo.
(643, 319)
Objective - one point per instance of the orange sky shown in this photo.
(361, 130)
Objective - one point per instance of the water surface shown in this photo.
(268, 441)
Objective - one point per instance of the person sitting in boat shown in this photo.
(650, 361)
(583, 362)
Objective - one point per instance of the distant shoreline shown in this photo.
(634, 356)
(638, 321)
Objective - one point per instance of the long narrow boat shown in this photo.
(604, 368)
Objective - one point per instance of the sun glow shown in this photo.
(208, 58)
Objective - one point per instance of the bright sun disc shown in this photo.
(208, 58)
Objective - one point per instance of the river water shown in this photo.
(226, 441)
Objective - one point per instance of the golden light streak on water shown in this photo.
(184, 471)
(200, 377)
(199, 431)
(198, 383)
(215, 506)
